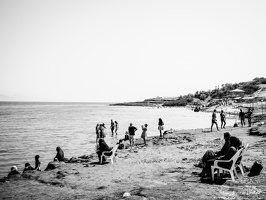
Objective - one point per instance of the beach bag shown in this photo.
(126, 137)
(121, 146)
(256, 168)
(235, 124)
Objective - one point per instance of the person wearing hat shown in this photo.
(14, 171)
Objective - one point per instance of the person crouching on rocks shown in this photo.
(14, 171)
(28, 167)
(60, 155)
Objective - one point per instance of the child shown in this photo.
(37, 163)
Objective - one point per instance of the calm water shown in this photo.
(28, 129)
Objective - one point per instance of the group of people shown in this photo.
(214, 119)
(231, 146)
(114, 127)
(100, 131)
(242, 115)
(59, 158)
(102, 146)
(14, 169)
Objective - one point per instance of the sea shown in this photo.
(37, 128)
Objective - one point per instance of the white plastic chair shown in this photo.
(240, 165)
(232, 169)
(110, 157)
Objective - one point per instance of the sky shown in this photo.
(121, 51)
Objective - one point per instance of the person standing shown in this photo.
(160, 127)
(249, 113)
(144, 132)
(116, 127)
(242, 117)
(102, 131)
(97, 130)
(223, 121)
(131, 131)
(214, 120)
(112, 127)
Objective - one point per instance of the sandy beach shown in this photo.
(164, 169)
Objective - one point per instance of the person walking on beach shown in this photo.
(222, 116)
(116, 127)
(214, 120)
(131, 131)
(112, 127)
(144, 132)
(249, 113)
(160, 127)
(242, 117)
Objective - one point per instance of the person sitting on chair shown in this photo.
(210, 154)
(103, 147)
(235, 145)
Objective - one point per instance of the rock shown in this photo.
(254, 131)
(126, 194)
(86, 157)
(52, 165)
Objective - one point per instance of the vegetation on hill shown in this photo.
(218, 93)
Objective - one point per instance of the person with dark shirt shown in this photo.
(59, 155)
(209, 154)
(112, 127)
(223, 121)
(28, 167)
(97, 130)
(102, 147)
(214, 120)
(37, 163)
(249, 113)
(235, 145)
(160, 127)
(131, 131)
(14, 171)
(242, 117)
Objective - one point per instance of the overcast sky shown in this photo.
(116, 51)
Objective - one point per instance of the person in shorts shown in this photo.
(131, 131)
(214, 120)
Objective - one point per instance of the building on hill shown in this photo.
(237, 93)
